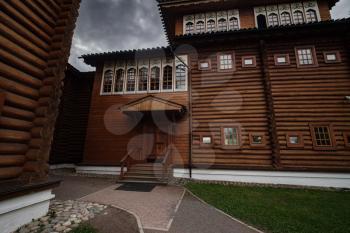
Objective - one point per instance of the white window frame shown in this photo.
(298, 6)
(128, 67)
(200, 18)
(285, 8)
(184, 59)
(188, 19)
(222, 15)
(119, 66)
(308, 6)
(211, 16)
(172, 65)
(142, 64)
(107, 66)
(155, 63)
(231, 14)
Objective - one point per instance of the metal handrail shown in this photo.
(126, 162)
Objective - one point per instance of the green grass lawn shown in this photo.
(84, 228)
(280, 210)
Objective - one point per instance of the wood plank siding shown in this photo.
(35, 44)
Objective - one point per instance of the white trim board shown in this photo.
(18, 211)
(313, 179)
(97, 170)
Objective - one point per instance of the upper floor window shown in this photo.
(107, 81)
(285, 18)
(233, 23)
(119, 81)
(273, 19)
(180, 77)
(130, 83)
(311, 16)
(168, 78)
(261, 20)
(189, 28)
(225, 61)
(298, 17)
(200, 27)
(230, 136)
(155, 79)
(222, 25)
(143, 79)
(322, 136)
(211, 25)
(306, 56)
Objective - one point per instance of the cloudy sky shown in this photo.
(109, 25)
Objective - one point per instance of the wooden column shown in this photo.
(275, 147)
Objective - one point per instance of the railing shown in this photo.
(166, 163)
(126, 162)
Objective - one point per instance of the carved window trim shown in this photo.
(204, 61)
(253, 58)
(218, 57)
(329, 127)
(239, 136)
(335, 53)
(313, 55)
(251, 140)
(286, 56)
(295, 134)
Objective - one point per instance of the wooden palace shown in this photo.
(247, 91)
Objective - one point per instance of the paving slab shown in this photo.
(156, 209)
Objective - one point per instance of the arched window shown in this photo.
(200, 27)
(155, 79)
(298, 17)
(168, 78)
(273, 20)
(311, 16)
(285, 18)
(189, 28)
(119, 81)
(233, 24)
(211, 26)
(130, 83)
(180, 77)
(143, 79)
(108, 81)
(261, 19)
(222, 25)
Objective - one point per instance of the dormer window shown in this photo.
(285, 18)
(233, 24)
(273, 19)
(311, 16)
(200, 27)
(222, 25)
(211, 25)
(189, 28)
(298, 17)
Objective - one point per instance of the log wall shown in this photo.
(35, 44)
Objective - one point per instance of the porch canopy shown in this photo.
(152, 103)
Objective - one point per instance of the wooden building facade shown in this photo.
(266, 87)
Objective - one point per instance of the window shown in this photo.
(143, 79)
(322, 136)
(155, 79)
(273, 19)
(285, 18)
(130, 84)
(200, 27)
(225, 62)
(233, 24)
(168, 78)
(261, 20)
(306, 56)
(257, 139)
(189, 28)
(249, 61)
(311, 16)
(204, 64)
(119, 81)
(332, 57)
(222, 25)
(281, 59)
(294, 140)
(107, 81)
(347, 139)
(206, 140)
(230, 136)
(180, 77)
(298, 17)
(211, 26)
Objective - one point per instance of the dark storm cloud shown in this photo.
(109, 25)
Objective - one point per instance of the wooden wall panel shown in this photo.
(29, 33)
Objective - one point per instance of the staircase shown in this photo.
(145, 173)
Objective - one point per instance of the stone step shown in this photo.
(143, 181)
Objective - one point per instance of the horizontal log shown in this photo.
(11, 123)
(18, 88)
(17, 113)
(14, 135)
(13, 148)
(36, 132)
(32, 154)
(42, 13)
(10, 172)
(12, 160)
(35, 143)
(21, 101)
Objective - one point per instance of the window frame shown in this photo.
(246, 58)
(218, 64)
(239, 136)
(138, 78)
(263, 140)
(337, 56)
(315, 14)
(219, 29)
(171, 65)
(276, 56)
(207, 25)
(204, 26)
(159, 78)
(115, 81)
(103, 82)
(297, 17)
(233, 19)
(331, 137)
(188, 32)
(295, 134)
(204, 61)
(204, 144)
(271, 18)
(283, 18)
(135, 80)
(313, 54)
(185, 59)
